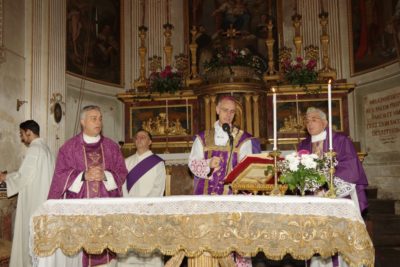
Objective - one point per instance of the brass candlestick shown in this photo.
(275, 191)
(194, 78)
(297, 39)
(332, 191)
(272, 74)
(141, 81)
(168, 48)
(326, 71)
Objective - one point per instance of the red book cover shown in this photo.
(246, 163)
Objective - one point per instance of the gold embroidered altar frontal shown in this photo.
(196, 224)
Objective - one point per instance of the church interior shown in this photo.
(160, 65)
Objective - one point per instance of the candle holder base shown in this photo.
(276, 191)
(332, 191)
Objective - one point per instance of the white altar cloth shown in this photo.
(260, 209)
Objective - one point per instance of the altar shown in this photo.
(195, 226)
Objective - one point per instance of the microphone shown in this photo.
(227, 129)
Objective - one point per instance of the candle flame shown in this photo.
(273, 90)
(330, 81)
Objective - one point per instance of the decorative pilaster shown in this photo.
(207, 112)
(56, 73)
(249, 119)
(256, 116)
(2, 49)
(212, 110)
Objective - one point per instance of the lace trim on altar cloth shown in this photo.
(293, 205)
(343, 188)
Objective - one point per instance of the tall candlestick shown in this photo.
(330, 113)
(187, 115)
(274, 117)
(297, 111)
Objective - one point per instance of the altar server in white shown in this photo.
(146, 178)
(31, 182)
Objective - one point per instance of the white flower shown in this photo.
(293, 166)
(308, 162)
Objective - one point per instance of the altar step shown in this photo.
(384, 227)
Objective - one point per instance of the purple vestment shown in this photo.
(74, 157)
(349, 167)
(215, 185)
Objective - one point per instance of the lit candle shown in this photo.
(330, 114)
(274, 118)
(187, 115)
(297, 111)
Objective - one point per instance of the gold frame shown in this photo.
(153, 107)
(121, 84)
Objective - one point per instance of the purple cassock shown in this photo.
(349, 167)
(74, 157)
(215, 185)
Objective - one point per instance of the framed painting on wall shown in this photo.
(249, 19)
(372, 43)
(94, 43)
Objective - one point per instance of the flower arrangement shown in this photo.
(227, 57)
(167, 80)
(300, 71)
(303, 171)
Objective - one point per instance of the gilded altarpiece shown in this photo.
(170, 118)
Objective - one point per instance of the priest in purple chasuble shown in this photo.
(89, 165)
(146, 178)
(349, 178)
(212, 158)
(208, 160)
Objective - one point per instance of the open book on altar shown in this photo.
(254, 173)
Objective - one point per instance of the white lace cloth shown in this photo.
(341, 208)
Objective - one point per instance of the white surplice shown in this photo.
(151, 184)
(31, 182)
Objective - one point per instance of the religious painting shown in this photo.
(291, 111)
(243, 23)
(371, 34)
(94, 48)
(162, 120)
(396, 30)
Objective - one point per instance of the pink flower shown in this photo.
(303, 152)
(311, 64)
(299, 59)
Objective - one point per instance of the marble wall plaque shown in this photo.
(382, 120)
